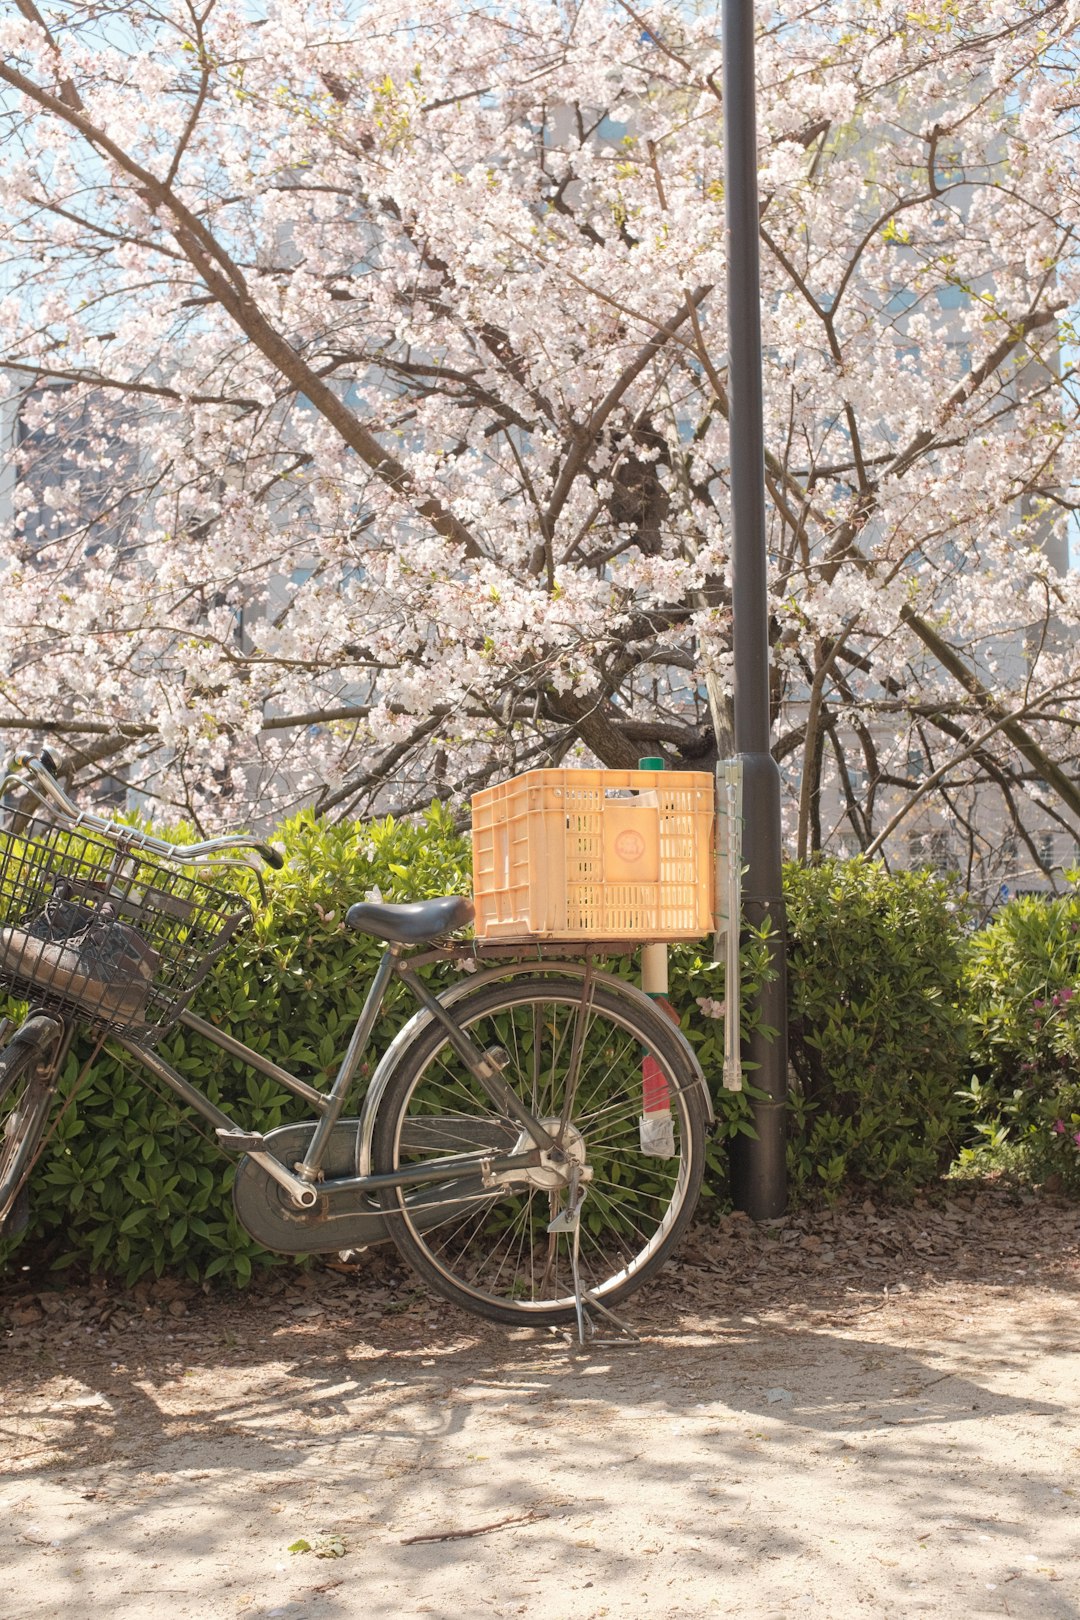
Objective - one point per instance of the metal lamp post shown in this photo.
(758, 1171)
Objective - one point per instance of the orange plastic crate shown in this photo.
(583, 854)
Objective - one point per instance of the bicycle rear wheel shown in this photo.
(486, 1245)
(27, 1088)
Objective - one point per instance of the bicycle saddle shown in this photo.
(412, 924)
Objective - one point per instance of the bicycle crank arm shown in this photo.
(302, 1193)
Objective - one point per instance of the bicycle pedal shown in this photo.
(240, 1141)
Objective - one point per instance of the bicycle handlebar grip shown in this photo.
(271, 856)
(42, 758)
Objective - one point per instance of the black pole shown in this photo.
(758, 1170)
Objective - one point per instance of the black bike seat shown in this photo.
(413, 924)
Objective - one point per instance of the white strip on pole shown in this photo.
(729, 788)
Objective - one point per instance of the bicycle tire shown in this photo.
(26, 1095)
(491, 1252)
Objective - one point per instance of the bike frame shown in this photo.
(302, 1182)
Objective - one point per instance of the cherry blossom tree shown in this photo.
(368, 371)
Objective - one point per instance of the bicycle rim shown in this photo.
(25, 1099)
(488, 1247)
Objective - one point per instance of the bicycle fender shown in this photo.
(688, 1070)
(39, 1030)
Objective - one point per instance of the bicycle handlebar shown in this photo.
(41, 769)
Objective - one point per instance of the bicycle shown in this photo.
(504, 1143)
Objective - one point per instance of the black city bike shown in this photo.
(533, 1140)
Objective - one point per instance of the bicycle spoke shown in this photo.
(477, 1216)
(618, 1064)
(624, 1219)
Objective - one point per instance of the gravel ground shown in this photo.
(866, 1413)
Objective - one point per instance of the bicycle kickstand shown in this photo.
(569, 1221)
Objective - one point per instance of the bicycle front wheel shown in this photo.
(588, 1069)
(27, 1088)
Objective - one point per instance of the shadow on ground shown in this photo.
(789, 1436)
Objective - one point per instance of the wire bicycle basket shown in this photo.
(105, 931)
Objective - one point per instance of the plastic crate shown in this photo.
(606, 855)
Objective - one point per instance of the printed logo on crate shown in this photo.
(630, 846)
(631, 843)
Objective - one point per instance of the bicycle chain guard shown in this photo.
(337, 1221)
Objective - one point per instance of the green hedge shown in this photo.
(878, 1046)
(1022, 996)
(878, 1039)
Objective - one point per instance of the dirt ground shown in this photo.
(866, 1413)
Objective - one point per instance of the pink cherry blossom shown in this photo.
(369, 371)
